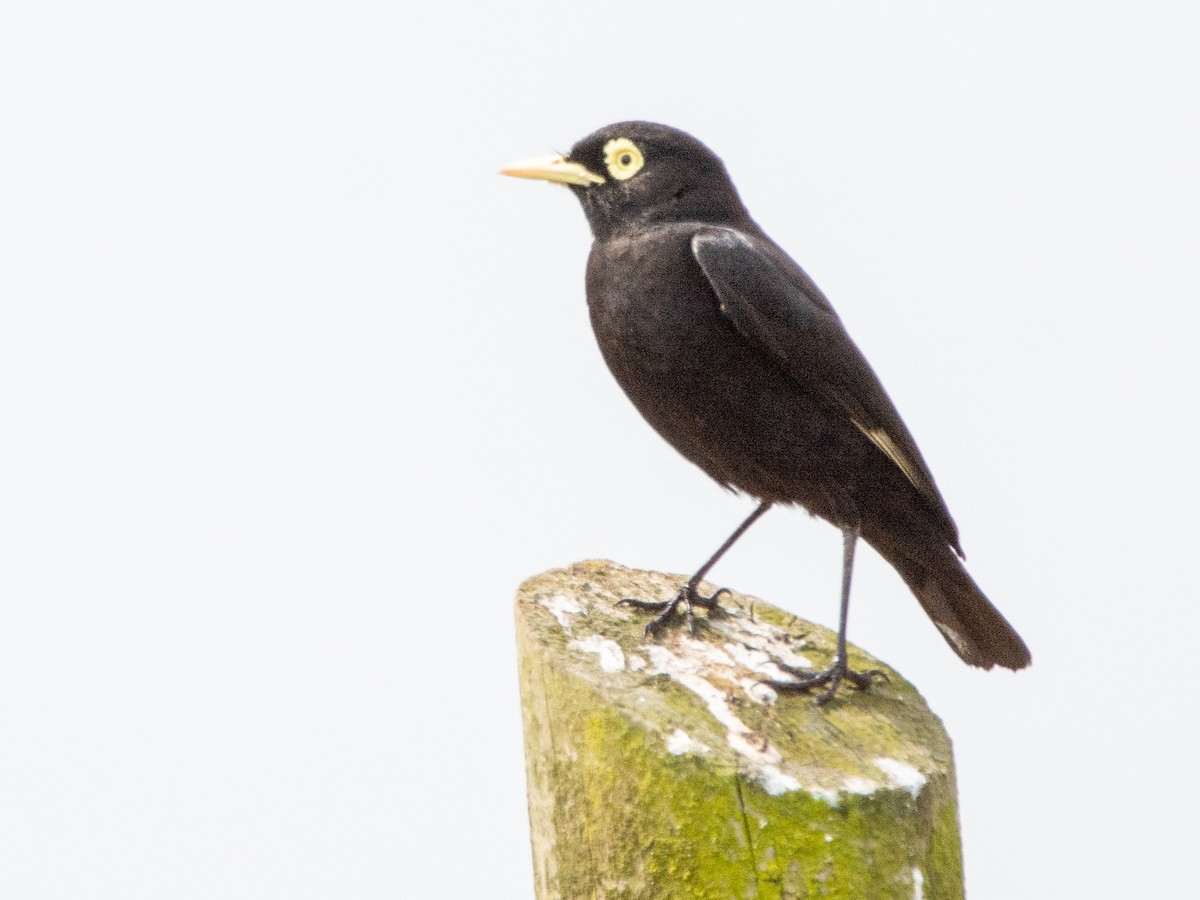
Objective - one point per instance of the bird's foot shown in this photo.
(688, 597)
(831, 679)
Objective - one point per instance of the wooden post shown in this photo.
(658, 769)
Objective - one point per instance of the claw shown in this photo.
(652, 605)
(832, 677)
(688, 596)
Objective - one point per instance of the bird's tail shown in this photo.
(974, 628)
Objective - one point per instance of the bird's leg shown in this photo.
(840, 670)
(688, 594)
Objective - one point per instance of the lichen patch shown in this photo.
(680, 742)
(694, 673)
(861, 786)
(760, 661)
(776, 782)
(901, 774)
(563, 608)
(612, 657)
(763, 637)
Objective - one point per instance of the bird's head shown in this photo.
(635, 174)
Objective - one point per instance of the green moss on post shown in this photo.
(661, 770)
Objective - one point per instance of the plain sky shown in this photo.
(295, 391)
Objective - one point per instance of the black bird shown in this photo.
(733, 354)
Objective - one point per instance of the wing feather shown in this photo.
(773, 303)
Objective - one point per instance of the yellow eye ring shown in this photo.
(622, 158)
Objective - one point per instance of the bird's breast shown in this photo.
(651, 307)
(720, 401)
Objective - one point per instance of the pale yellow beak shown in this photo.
(558, 169)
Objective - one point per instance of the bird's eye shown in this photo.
(622, 158)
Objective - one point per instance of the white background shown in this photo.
(294, 391)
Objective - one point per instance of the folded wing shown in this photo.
(774, 304)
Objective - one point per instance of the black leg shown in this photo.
(688, 595)
(840, 671)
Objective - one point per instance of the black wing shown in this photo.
(775, 305)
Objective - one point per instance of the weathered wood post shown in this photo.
(660, 770)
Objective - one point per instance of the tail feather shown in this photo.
(971, 625)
